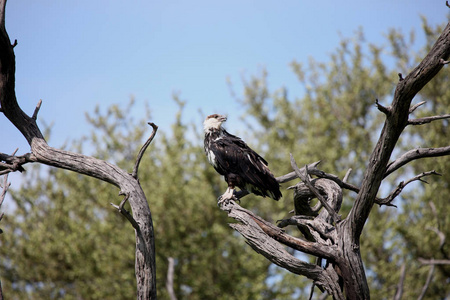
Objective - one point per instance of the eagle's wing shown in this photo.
(232, 155)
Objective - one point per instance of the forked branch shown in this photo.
(82, 164)
(401, 186)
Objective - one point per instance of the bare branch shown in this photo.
(402, 185)
(426, 120)
(414, 107)
(144, 147)
(415, 154)
(295, 220)
(427, 283)
(321, 230)
(169, 280)
(291, 176)
(305, 178)
(399, 292)
(424, 261)
(265, 239)
(256, 224)
(14, 163)
(124, 212)
(36, 110)
(347, 175)
(383, 109)
(5, 186)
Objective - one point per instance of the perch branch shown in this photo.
(256, 223)
(144, 147)
(265, 239)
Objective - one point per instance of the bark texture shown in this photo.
(325, 235)
(41, 152)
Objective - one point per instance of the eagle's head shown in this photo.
(213, 122)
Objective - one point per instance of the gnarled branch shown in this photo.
(265, 238)
(82, 164)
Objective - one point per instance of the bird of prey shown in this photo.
(238, 163)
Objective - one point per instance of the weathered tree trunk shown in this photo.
(328, 237)
(42, 153)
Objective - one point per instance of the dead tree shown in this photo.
(326, 236)
(41, 152)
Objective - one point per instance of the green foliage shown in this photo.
(336, 122)
(335, 115)
(64, 240)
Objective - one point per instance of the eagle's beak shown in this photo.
(222, 118)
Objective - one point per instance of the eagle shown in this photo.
(238, 163)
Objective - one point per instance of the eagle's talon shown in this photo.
(222, 201)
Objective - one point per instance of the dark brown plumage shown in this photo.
(237, 162)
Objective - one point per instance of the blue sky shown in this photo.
(76, 54)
